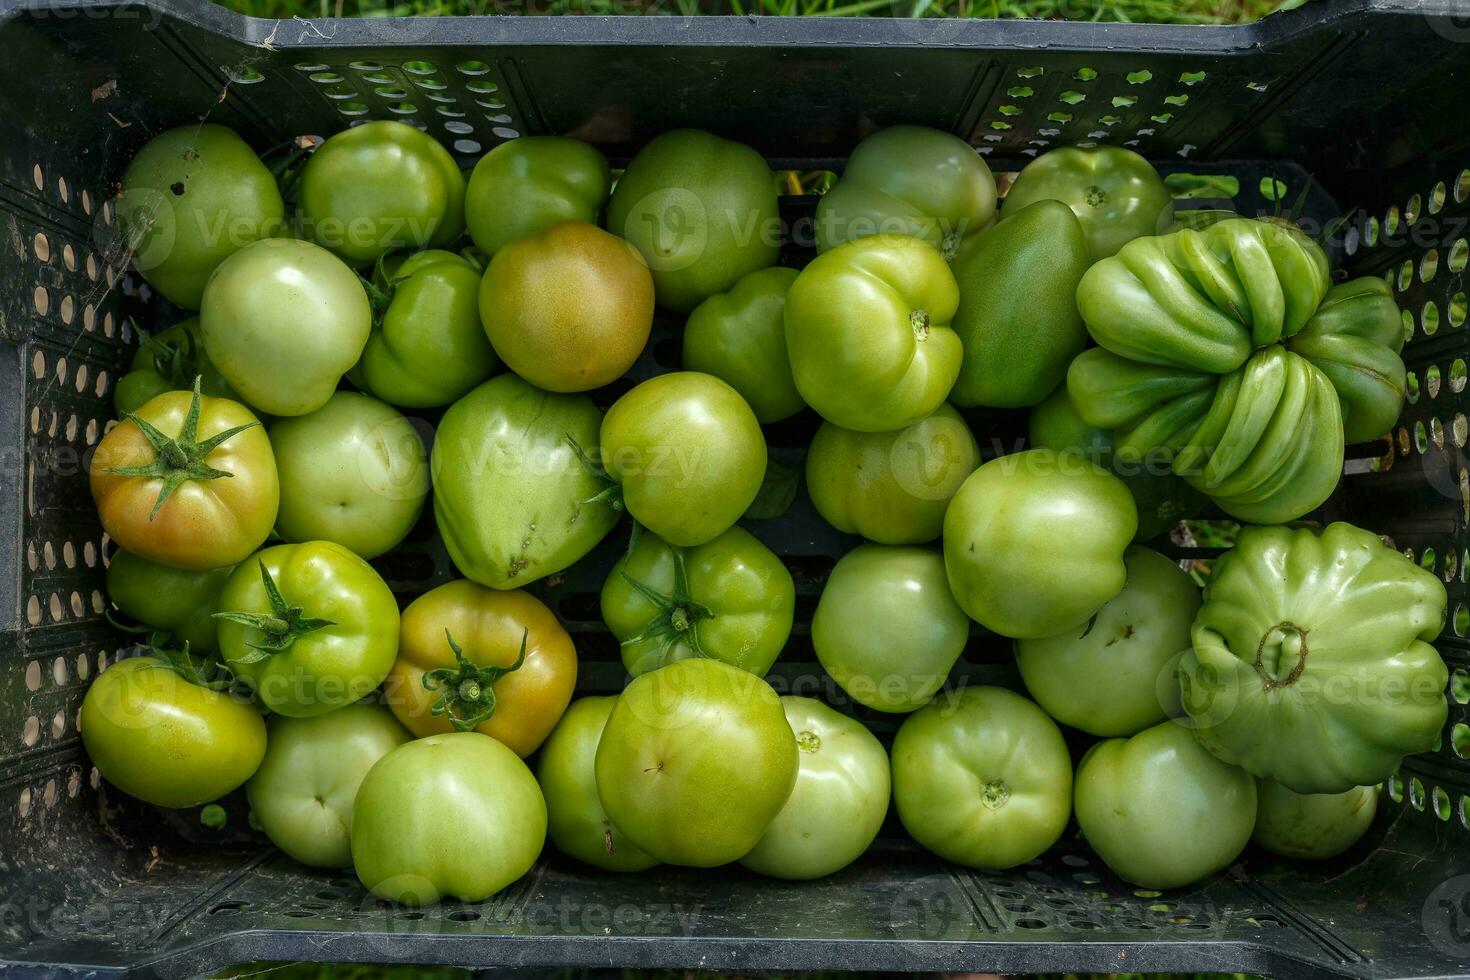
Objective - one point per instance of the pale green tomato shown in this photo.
(1314, 826)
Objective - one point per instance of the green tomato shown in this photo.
(730, 599)
(1312, 661)
(1105, 677)
(309, 627)
(868, 332)
(887, 628)
(283, 320)
(701, 209)
(839, 802)
(301, 795)
(179, 601)
(740, 338)
(1160, 810)
(354, 472)
(695, 762)
(1115, 193)
(191, 197)
(891, 487)
(427, 347)
(576, 821)
(448, 816)
(168, 742)
(1033, 542)
(1313, 826)
(378, 188)
(688, 454)
(1018, 316)
(909, 180)
(1163, 498)
(527, 185)
(512, 499)
(982, 777)
(169, 360)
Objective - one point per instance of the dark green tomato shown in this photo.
(1018, 316)
(354, 471)
(740, 338)
(175, 600)
(982, 777)
(378, 188)
(730, 599)
(1163, 499)
(302, 794)
(576, 821)
(1312, 826)
(512, 498)
(695, 762)
(839, 802)
(701, 209)
(1114, 676)
(427, 347)
(1160, 810)
(169, 360)
(527, 185)
(909, 180)
(887, 628)
(191, 197)
(168, 742)
(1115, 193)
(891, 487)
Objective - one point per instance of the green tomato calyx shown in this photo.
(808, 741)
(178, 459)
(995, 794)
(281, 626)
(612, 494)
(676, 617)
(466, 690)
(201, 671)
(1281, 656)
(175, 360)
(919, 320)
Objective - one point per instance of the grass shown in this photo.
(1146, 11)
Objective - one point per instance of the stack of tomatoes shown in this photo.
(261, 459)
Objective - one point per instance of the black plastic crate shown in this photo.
(1360, 105)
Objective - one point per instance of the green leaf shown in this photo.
(778, 490)
(1186, 187)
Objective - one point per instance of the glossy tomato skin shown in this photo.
(1311, 826)
(982, 777)
(839, 802)
(428, 347)
(301, 795)
(868, 332)
(740, 604)
(181, 601)
(488, 625)
(886, 627)
(449, 816)
(701, 209)
(689, 454)
(191, 197)
(156, 368)
(283, 320)
(1116, 194)
(567, 772)
(168, 742)
(380, 187)
(329, 667)
(527, 185)
(204, 523)
(1160, 810)
(354, 471)
(568, 308)
(909, 180)
(512, 499)
(1115, 675)
(891, 487)
(740, 337)
(696, 760)
(1033, 542)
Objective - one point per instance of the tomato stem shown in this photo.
(676, 616)
(281, 626)
(466, 690)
